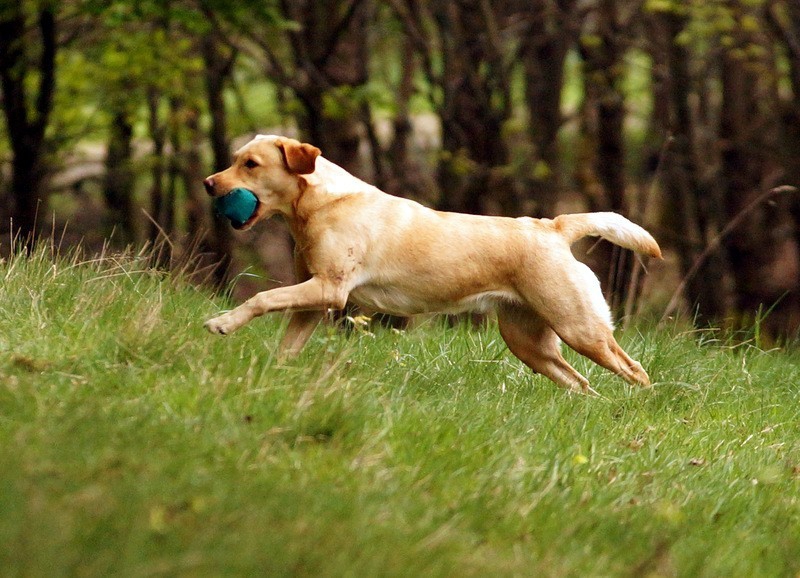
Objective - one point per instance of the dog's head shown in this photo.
(269, 166)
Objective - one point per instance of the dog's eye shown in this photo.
(250, 164)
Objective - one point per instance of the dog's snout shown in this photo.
(209, 185)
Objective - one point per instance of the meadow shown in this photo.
(133, 443)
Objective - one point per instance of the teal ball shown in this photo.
(238, 206)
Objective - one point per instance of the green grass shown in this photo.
(133, 443)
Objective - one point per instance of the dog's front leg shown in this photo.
(314, 294)
(301, 325)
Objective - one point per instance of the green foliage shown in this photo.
(192, 16)
(133, 443)
(136, 55)
(254, 105)
(714, 24)
(345, 100)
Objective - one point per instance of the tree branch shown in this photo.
(411, 20)
(336, 34)
(714, 244)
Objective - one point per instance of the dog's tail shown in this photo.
(611, 226)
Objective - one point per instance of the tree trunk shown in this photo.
(158, 136)
(120, 178)
(543, 50)
(689, 215)
(605, 114)
(218, 68)
(168, 219)
(475, 104)
(763, 251)
(197, 215)
(26, 129)
(334, 54)
(402, 180)
(788, 32)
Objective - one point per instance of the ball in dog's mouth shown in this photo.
(238, 206)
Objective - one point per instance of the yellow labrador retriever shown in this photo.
(355, 242)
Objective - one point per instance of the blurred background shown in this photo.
(682, 114)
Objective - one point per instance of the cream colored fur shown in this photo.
(355, 243)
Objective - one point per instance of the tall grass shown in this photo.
(133, 443)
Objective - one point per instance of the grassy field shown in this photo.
(132, 443)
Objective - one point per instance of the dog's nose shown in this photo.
(209, 184)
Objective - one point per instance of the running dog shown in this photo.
(355, 243)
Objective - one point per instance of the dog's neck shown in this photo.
(326, 184)
(336, 180)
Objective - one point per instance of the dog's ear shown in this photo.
(299, 157)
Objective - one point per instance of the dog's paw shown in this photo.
(221, 325)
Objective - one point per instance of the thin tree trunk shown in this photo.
(197, 215)
(763, 254)
(120, 178)
(158, 136)
(402, 181)
(26, 129)
(543, 51)
(331, 50)
(218, 68)
(476, 104)
(605, 108)
(689, 213)
(169, 208)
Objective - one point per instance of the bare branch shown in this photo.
(714, 244)
(336, 34)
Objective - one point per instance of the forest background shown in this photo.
(683, 115)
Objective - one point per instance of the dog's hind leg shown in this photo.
(600, 346)
(571, 303)
(537, 345)
(301, 325)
